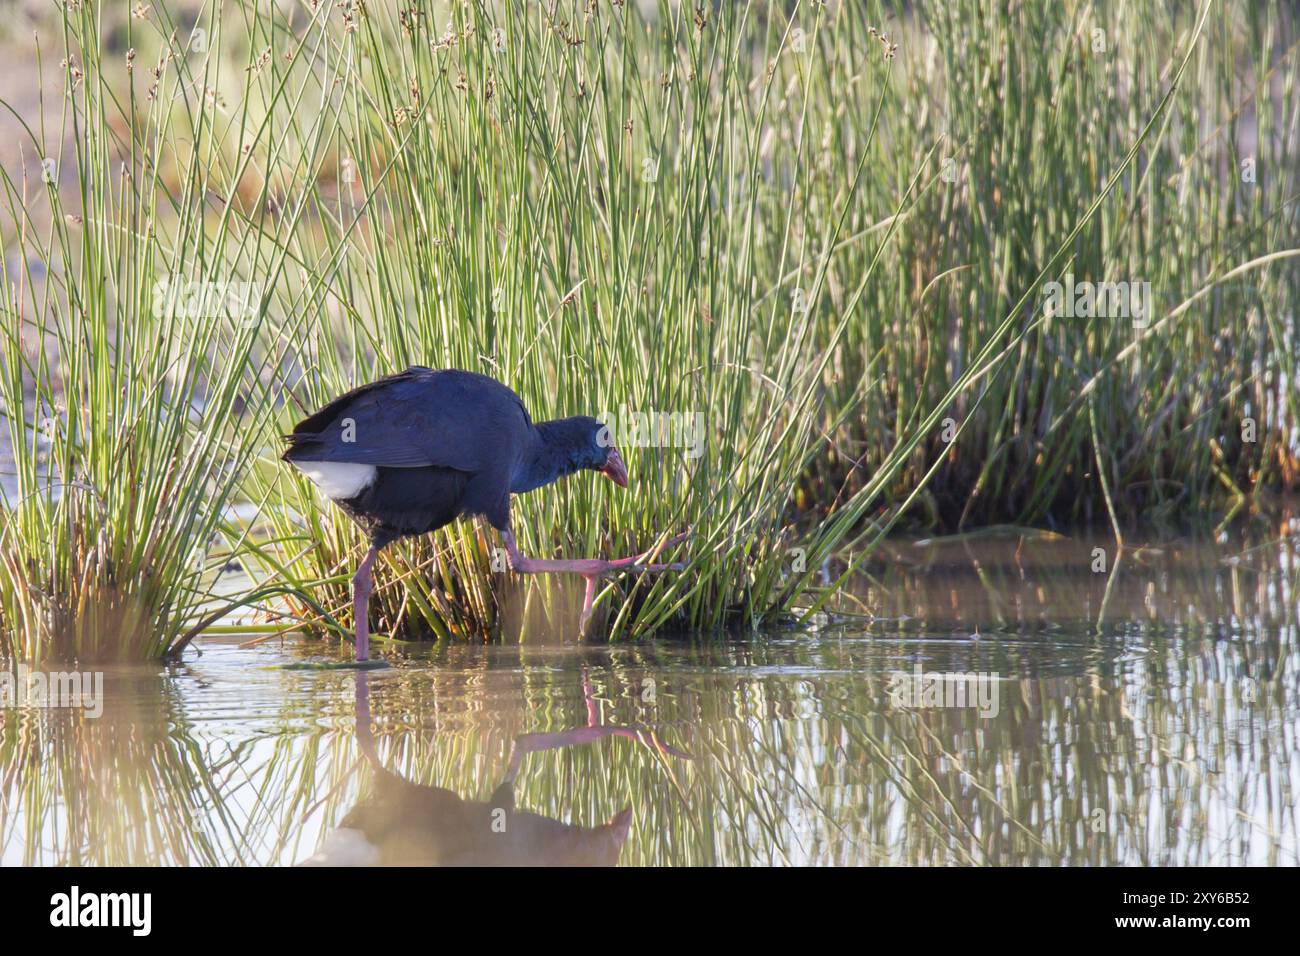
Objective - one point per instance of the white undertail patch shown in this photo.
(344, 847)
(339, 480)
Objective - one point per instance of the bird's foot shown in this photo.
(593, 569)
(635, 563)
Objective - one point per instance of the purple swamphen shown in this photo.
(411, 452)
(408, 824)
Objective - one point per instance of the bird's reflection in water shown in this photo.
(409, 824)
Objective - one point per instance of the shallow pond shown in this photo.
(1006, 702)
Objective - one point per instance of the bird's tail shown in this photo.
(299, 445)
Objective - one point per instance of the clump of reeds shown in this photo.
(132, 372)
(828, 232)
(1180, 414)
(747, 215)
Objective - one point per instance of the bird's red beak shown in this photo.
(614, 468)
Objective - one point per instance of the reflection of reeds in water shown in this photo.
(1177, 752)
(131, 787)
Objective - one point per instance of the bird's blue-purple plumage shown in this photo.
(443, 443)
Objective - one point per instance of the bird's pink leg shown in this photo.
(590, 568)
(588, 599)
(587, 567)
(362, 582)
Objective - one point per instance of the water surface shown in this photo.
(1146, 714)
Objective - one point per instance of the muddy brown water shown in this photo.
(1004, 702)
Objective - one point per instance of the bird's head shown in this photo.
(572, 444)
(609, 461)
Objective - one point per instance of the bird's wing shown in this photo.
(416, 418)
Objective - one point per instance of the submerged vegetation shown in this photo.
(832, 243)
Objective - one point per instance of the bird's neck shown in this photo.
(558, 450)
